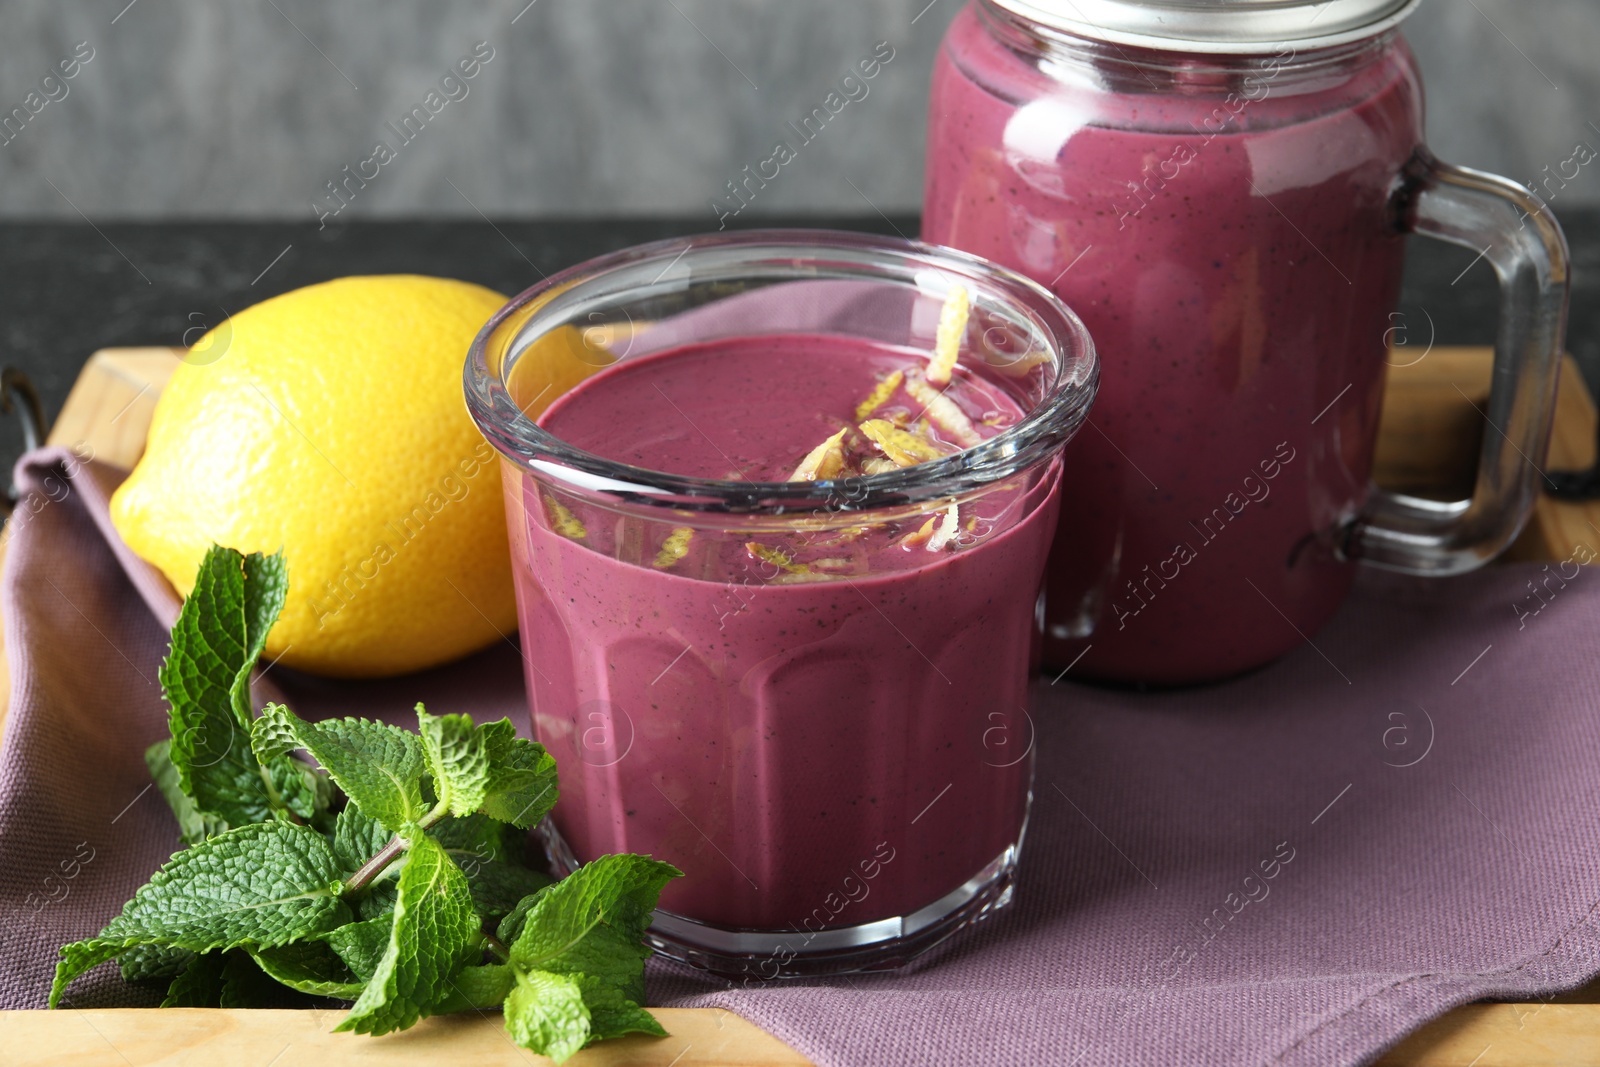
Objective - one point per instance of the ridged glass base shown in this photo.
(757, 955)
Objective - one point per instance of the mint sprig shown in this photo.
(391, 873)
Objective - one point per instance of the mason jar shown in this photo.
(1222, 190)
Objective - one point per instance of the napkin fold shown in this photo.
(1298, 866)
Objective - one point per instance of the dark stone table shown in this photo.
(70, 288)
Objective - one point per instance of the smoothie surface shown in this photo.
(751, 408)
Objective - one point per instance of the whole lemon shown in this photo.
(329, 422)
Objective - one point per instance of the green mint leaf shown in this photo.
(511, 926)
(522, 776)
(435, 932)
(478, 988)
(380, 899)
(206, 679)
(497, 887)
(379, 767)
(480, 837)
(545, 1014)
(194, 825)
(586, 930)
(357, 838)
(266, 585)
(607, 1022)
(619, 892)
(300, 788)
(362, 945)
(260, 885)
(492, 854)
(143, 963)
(210, 645)
(198, 985)
(457, 759)
(272, 733)
(309, 967)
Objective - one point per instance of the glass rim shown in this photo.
(1048, 424)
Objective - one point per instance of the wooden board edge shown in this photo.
(1503, 1035)
(107, 412)
(124, 1037)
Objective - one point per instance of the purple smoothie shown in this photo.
(825, 741)
(1237, 270)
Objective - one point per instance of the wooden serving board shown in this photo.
(1428, 444)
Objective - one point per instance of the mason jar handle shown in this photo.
(1512, 229)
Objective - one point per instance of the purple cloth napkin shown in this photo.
(1298, 866)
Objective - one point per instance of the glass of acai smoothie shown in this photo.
(778, 552)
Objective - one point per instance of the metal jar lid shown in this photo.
(1234, 27)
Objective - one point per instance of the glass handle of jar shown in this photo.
(1513, 230)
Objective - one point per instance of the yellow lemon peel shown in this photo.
(905, 448)
(1020, 366)
(845, 536)
(949, 526)
(880, 395)
(878, 465)
(947, 340)
(943, 412)
(674, 548)
(563, 521)
(823, 462)
(777, 557)
(918, 536)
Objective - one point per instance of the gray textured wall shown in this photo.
(246, 108)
